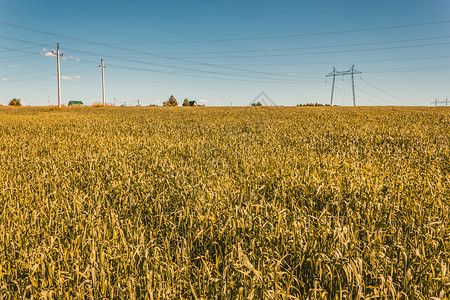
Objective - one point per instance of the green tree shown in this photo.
(171, 102)
(15, 102)
(186, 102)
(257, 104)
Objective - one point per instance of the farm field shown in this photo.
(225, 203)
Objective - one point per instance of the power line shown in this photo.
(325, 52)
(163, 56)
(162, 65)
(413, 69)
(191, 69)
(137, 51)
(303, 48)
(268, 80)
(278, 36)
(340, 62)
(383, 91)
(372, 95)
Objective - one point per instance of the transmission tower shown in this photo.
(261, 96)
(335, 73)
(436, 102)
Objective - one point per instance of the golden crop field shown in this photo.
(225, 203)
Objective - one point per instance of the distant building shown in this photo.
(193, 103)
(75, 102)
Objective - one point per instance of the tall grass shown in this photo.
(224, 203)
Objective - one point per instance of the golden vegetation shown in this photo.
(225, 203)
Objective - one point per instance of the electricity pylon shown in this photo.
(335, 73)
(261, 96)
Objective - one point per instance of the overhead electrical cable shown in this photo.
(323, 52)
(157, 64)
(370, 94)
(200, 76)
(306, 48)
(138, 51)
(387, 93)
(182, 68)
(278, 36)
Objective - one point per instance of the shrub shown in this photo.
(171, 102)
(15, 102)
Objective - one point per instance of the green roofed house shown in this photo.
(193, 103)
(75, 102)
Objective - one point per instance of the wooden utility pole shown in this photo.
(58, 72)
(103, 81)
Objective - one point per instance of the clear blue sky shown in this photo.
(226, 52)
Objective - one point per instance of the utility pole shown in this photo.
(353, 85)
(352, 71)
(48, 101)
(59, 73)
(103, 81)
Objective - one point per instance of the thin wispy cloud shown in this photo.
(4, 79)
(208, 101)
(71, 78)
(70, 58)
(14, 66)
(48, 54)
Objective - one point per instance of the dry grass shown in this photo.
(224, 203)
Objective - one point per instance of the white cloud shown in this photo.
(4, 79)
(44, 49)
(72, 78)
(205, 101)
(14, 66)
(170, 71)
(292, 74)
(48, 54)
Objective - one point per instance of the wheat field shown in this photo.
(224, 203)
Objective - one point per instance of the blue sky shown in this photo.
(225, 52)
